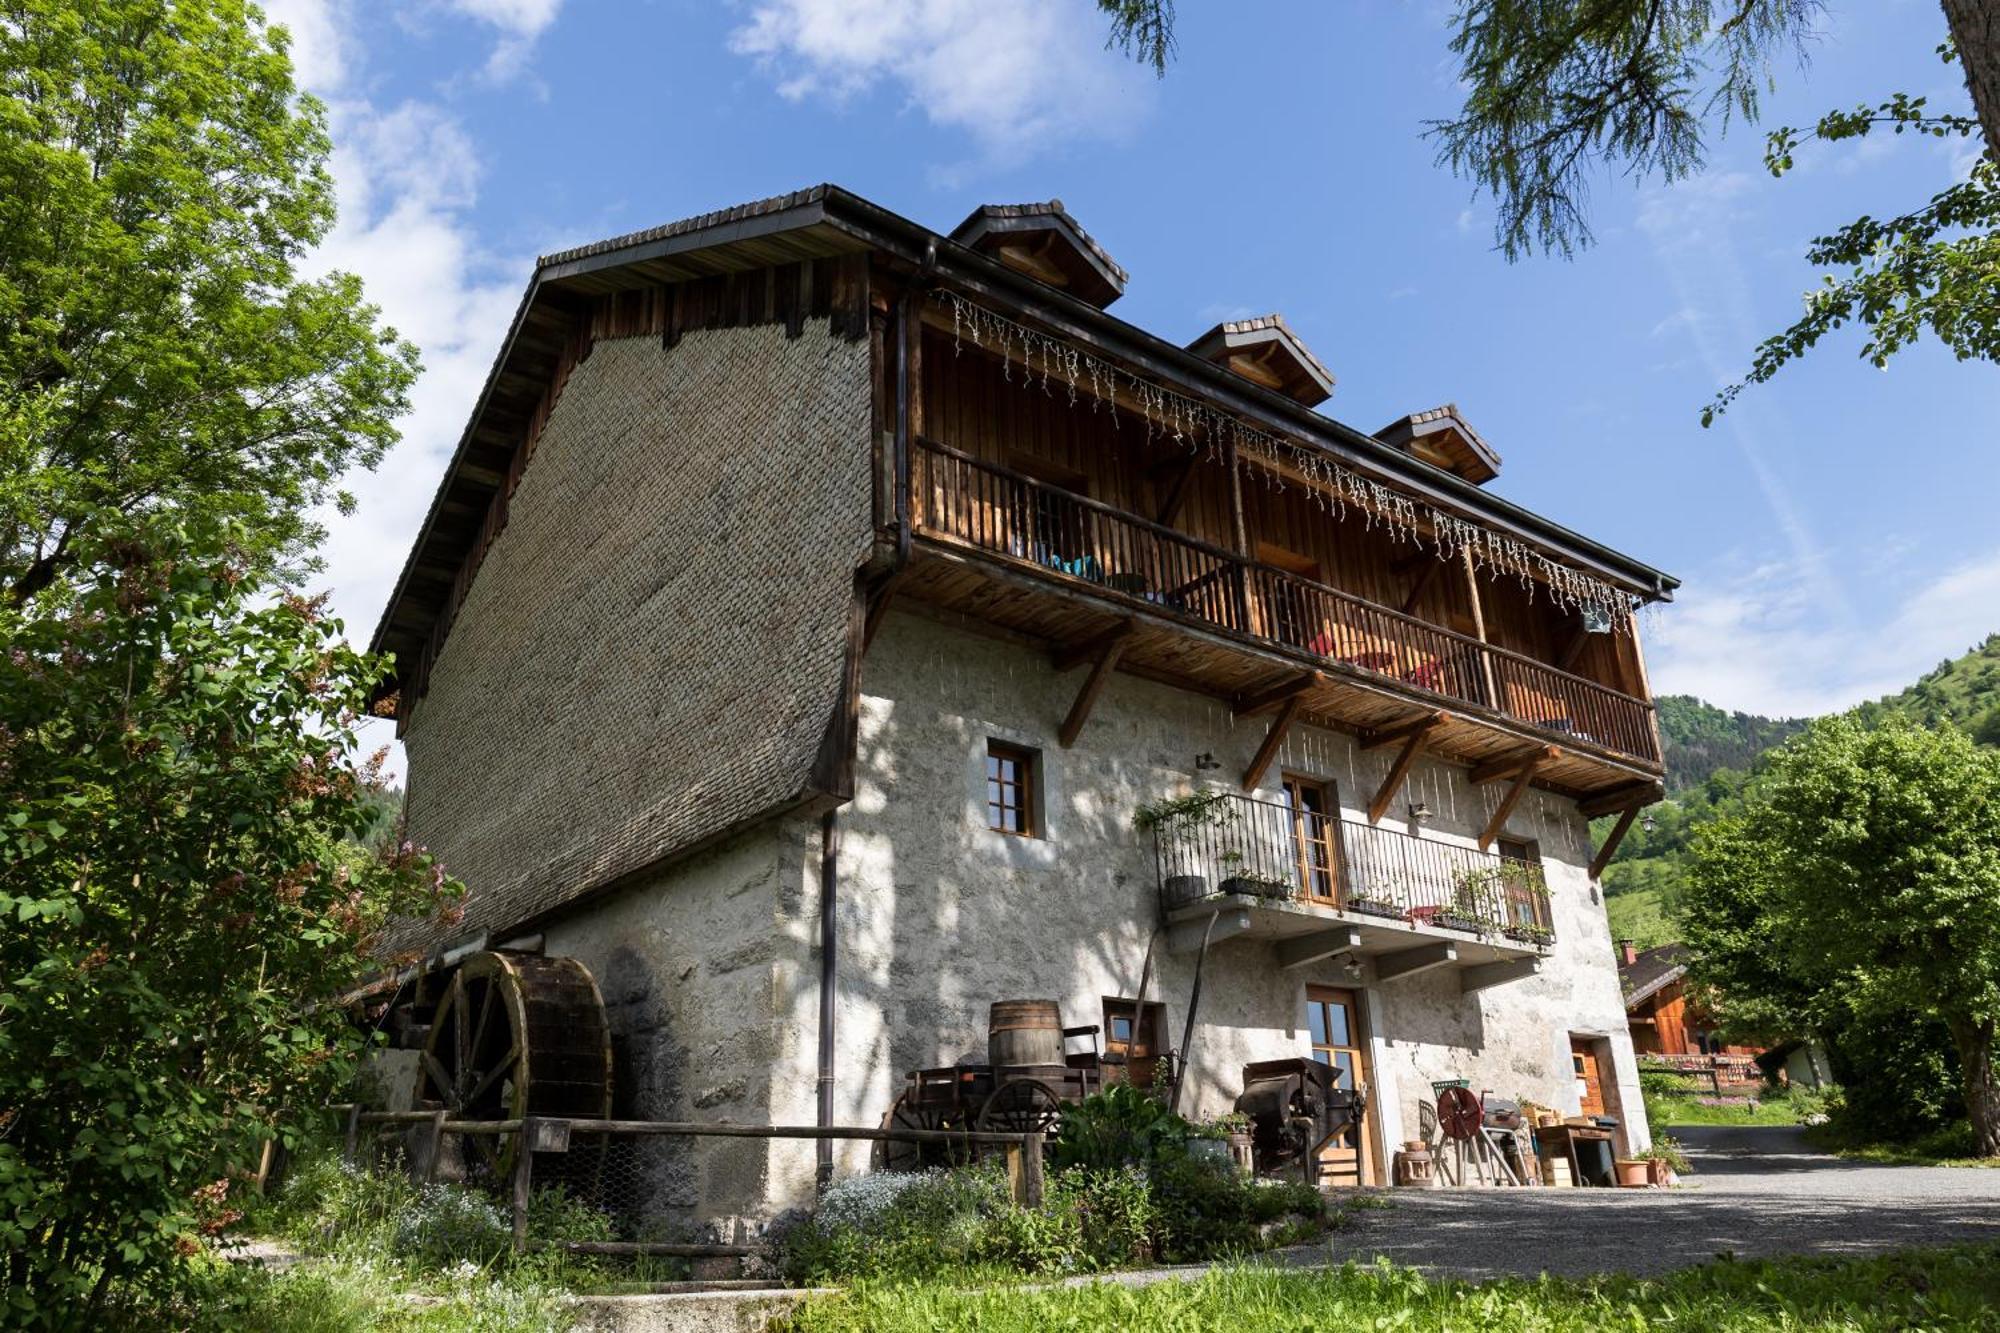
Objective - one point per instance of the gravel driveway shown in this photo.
(1755, 1192)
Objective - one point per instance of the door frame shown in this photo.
(1360, 1042)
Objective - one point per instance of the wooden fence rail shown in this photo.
(551, 1134)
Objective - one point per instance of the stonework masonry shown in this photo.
(654, 646)
(940, 916)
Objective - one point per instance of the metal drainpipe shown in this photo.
(829, 976)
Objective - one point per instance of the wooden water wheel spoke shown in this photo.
(498, 1071)
(481, 1064)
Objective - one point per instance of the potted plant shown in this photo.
(1666, 1160)
(1175, 821)
(1634, 1173)
(1367, 905)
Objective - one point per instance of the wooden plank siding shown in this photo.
(1004, 419)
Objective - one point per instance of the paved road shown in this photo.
(1754, 1192)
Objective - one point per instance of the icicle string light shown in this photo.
(1047, 361)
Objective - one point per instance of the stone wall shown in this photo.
(939, 916)
(654, 646)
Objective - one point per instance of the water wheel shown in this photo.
(515, 1035)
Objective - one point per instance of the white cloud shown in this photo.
(520, 23)
(1015, 74)
(1757, 640)
(407, 177)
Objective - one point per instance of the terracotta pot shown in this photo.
(1658, 1174)
(1634, 1173)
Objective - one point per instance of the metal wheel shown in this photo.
(1020, 1106)
(515, 1035)
(1459, 1114)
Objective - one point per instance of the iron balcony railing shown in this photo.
(1222, 844)
(974, 503)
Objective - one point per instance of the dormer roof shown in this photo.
(1444, 437)
(1046, 243)
(1266, 352)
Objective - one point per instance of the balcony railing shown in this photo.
(979, 504)
(1224, 844)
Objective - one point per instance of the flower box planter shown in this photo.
(1381, 907)
(1184, 889)
(1446, 918)
(1535, 935)
(1251, 886)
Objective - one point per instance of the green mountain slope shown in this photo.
(1711, 755)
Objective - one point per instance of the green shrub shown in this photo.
(1119, 1126)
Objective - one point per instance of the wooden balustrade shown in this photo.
(972, 502)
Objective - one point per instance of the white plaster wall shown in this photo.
(939, 916)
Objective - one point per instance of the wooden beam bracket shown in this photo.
(1093, 684)
(1277, 694)
(1302, 950)
(1288, 713)
(1392, 782)
(1409, 962)
(1513, 796)
(1508, 765)
(1070, 656)
(1610, 847)
(1620, 798)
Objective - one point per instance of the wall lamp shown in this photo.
(1205, 761)
(1420, 812)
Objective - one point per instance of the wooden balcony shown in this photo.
(1315, 886)
(1037, 559)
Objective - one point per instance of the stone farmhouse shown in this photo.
(828, 627)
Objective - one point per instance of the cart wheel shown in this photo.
(1020, 1106)
(901, 1154)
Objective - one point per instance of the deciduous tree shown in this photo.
(160, 181)
(1559, 90)
(1863, 877)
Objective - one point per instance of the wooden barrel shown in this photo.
(1024, 1032)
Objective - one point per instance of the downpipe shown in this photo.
(1194, 1003)
(829, 978)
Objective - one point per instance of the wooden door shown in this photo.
(1589, 1076)
(1315, 851)
(1138, 1038)
(1333, 1018)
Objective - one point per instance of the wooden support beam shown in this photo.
(1610, 847)
(1512, 798)
(1409, 962)
(878, 606)
(1170, 504)
(1093, 685)
(1375, 740)
(1186, 936)
(1423, 581)
(1275, 737)
(1611, 802)
(1393, 781)
(1277, 694)
(1487, 975)
(1301, 950)
(1506, 766)
(1070, 656)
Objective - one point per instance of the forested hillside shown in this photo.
(1712, 754)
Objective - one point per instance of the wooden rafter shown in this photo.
(1413, 742)
(1277, 694)
(1579, 639)
(1375, 740)
(1275, 737)
(1611, 802)
(878, 606)
(1513, 797)
(1610, 847)
(1073, 655)
(1506, 766)
(1093, 685)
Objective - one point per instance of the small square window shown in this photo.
(1011, 796)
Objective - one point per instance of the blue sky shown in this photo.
(1835, 532)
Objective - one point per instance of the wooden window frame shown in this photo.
(1329, 815)
(1026, 786)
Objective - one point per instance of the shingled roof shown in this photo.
(1651, 970)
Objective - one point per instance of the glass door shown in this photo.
(1315, 853)
(1333, 1017)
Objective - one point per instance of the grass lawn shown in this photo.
(1923, 1289)
(1684, 1110)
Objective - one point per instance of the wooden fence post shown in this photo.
(1024, 1169)
(524, 1169)
(437, 1146)
(353, 1132)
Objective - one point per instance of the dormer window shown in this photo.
(1266, 352)
(1443, 438)
(1044, 242)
